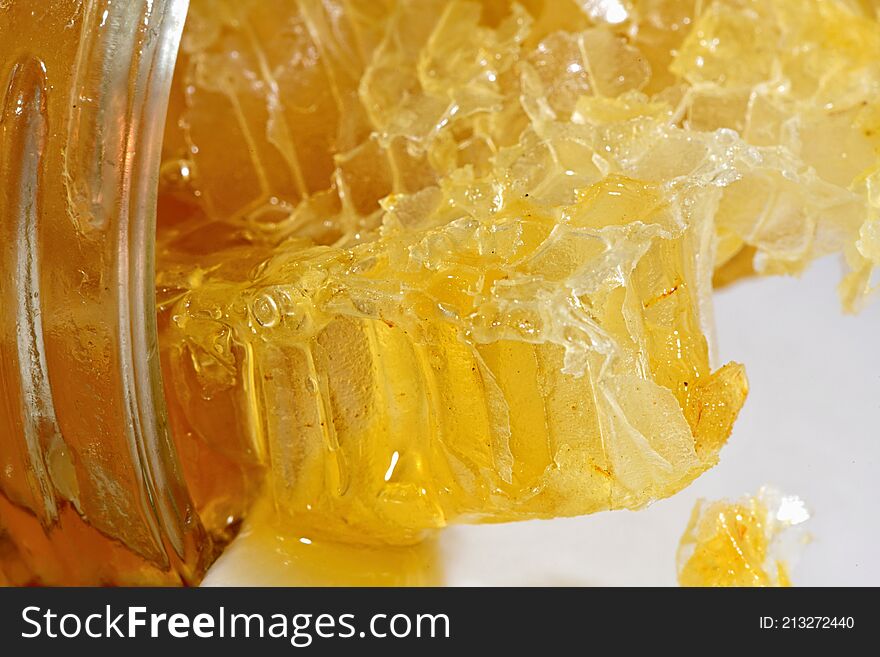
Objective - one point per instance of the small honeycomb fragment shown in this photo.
(741, 543)
(426, 261)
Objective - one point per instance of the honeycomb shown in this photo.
(424, 262)
(744, 543)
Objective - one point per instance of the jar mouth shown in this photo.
(89, 84)
(125, 65)
(166, 487)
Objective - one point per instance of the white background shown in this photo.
(810, 427)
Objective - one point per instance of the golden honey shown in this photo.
(431, 261)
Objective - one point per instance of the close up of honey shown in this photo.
(422, 262)
(740, 543)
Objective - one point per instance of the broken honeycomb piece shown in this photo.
(482, 369)
(490, 297)
(741, 543)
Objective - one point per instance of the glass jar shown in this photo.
(87, 464)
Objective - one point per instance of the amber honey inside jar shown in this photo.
(384, 266)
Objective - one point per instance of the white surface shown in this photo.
(810, 427)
